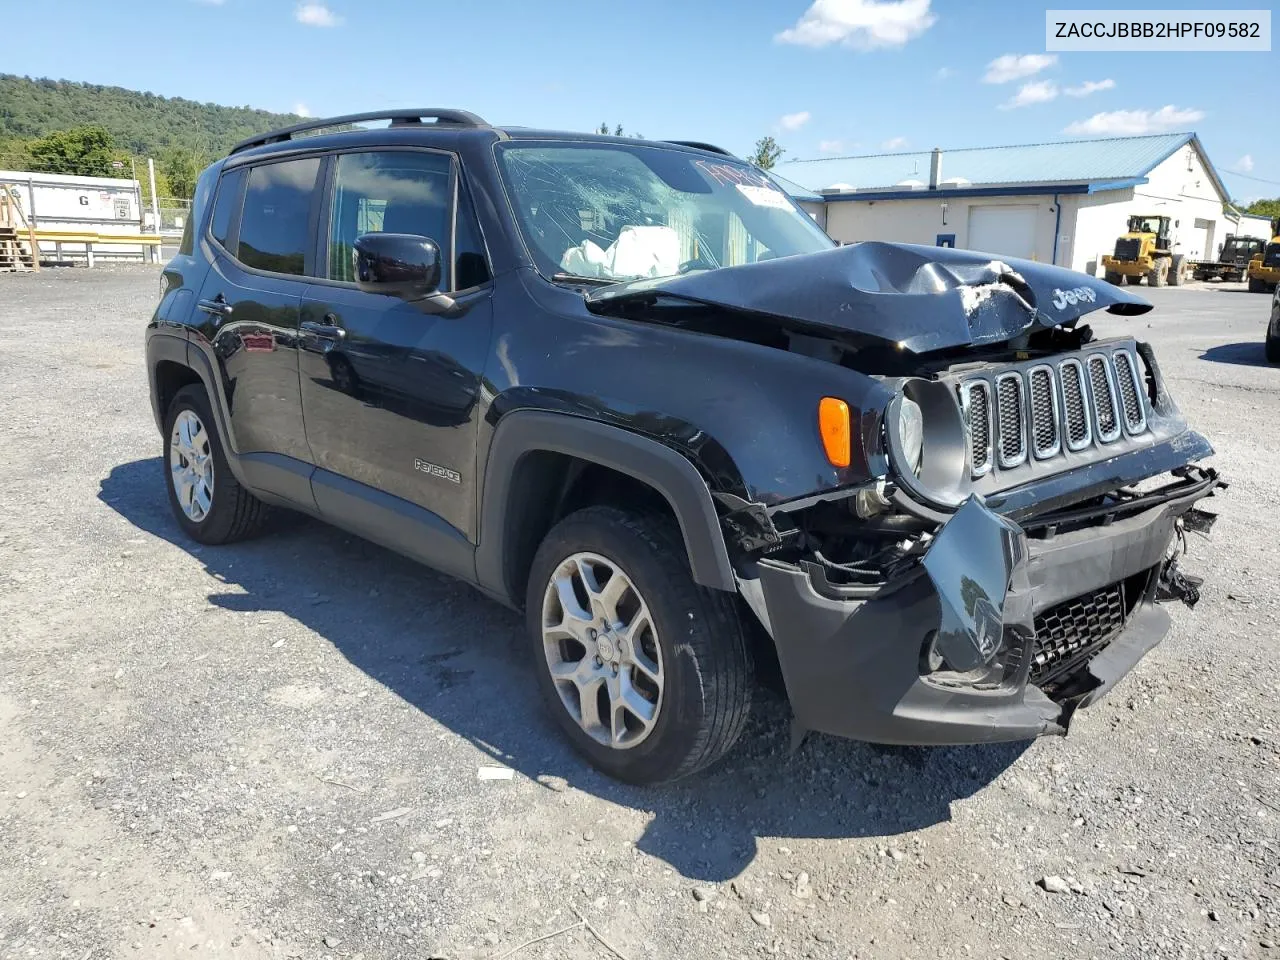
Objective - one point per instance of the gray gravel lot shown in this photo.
(271, 749)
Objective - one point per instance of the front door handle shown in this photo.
(218, 306)
(327, 330)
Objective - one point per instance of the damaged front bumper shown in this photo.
(999, 633)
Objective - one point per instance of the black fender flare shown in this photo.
(523, 432)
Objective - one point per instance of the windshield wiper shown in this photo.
(591, 281)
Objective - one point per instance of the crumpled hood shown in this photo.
(921, 298)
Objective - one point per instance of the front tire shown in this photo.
(648, 674)
(1114, 278)
(1257, 286)
(207, 500)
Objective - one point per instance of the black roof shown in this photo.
(441, 118)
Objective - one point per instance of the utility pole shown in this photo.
(155, 208)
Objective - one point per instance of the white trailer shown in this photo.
(63, 204)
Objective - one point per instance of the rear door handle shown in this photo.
(218, 306)
(329, 329)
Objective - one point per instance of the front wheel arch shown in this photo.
(518, 504)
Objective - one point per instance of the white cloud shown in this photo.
(894, 143)
(302, 110)
(1013, 66)
(944, 73)
(794, 121)
(860, 24)
(1038, 91)
(316, 15)
(1245, 164)
(211, 3)
(1135, 122)
(830, 146)
(1088, 87)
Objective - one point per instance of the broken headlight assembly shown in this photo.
(925, 438)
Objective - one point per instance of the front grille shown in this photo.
(1128, 249)
(1271, 256)
(1070, 632)
(1048, 410)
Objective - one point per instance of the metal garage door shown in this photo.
(1008, 229)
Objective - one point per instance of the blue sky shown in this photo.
(826, 78)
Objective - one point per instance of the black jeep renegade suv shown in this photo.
(631, 388)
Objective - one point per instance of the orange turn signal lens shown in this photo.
(833, 424)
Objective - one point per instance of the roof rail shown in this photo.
(698, 145)
(398, 118)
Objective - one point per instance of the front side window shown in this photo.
(394, 191)
(274, 226)
(623, 211)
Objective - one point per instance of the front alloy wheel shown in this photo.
(191, 466)
(647, 673)
(602, 650)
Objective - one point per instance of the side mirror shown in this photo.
(397, 264)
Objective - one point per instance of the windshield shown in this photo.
(1144, 225)
(622, 211)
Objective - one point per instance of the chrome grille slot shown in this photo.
(1130, 384)
(975, 406)
(1046, 415)
(1079, 432)
(1011, 404)
(1102, 387)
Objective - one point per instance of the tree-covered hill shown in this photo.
(142, 124)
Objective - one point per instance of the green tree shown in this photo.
(80, 151)
(617, 132)
(1264, 208)
(181, 168)
(767, 153)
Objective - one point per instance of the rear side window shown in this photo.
(227, 205)
(274, 225)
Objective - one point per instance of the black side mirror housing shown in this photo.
(401, 265)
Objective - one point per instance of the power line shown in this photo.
(1247, 176)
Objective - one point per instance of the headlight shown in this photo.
(926, 415)
(911, 430)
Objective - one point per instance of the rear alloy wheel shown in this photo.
(191, 466)
(648, 674)
(207, 500)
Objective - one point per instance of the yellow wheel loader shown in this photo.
(1264, 268)
(1145, 251)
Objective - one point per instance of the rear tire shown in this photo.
(678, 646)
(1157, 274)
(1176, 267)
(1273, 336)
(207, 500)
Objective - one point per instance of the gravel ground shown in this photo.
(272, 749)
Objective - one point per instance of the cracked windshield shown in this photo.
(622, 212)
